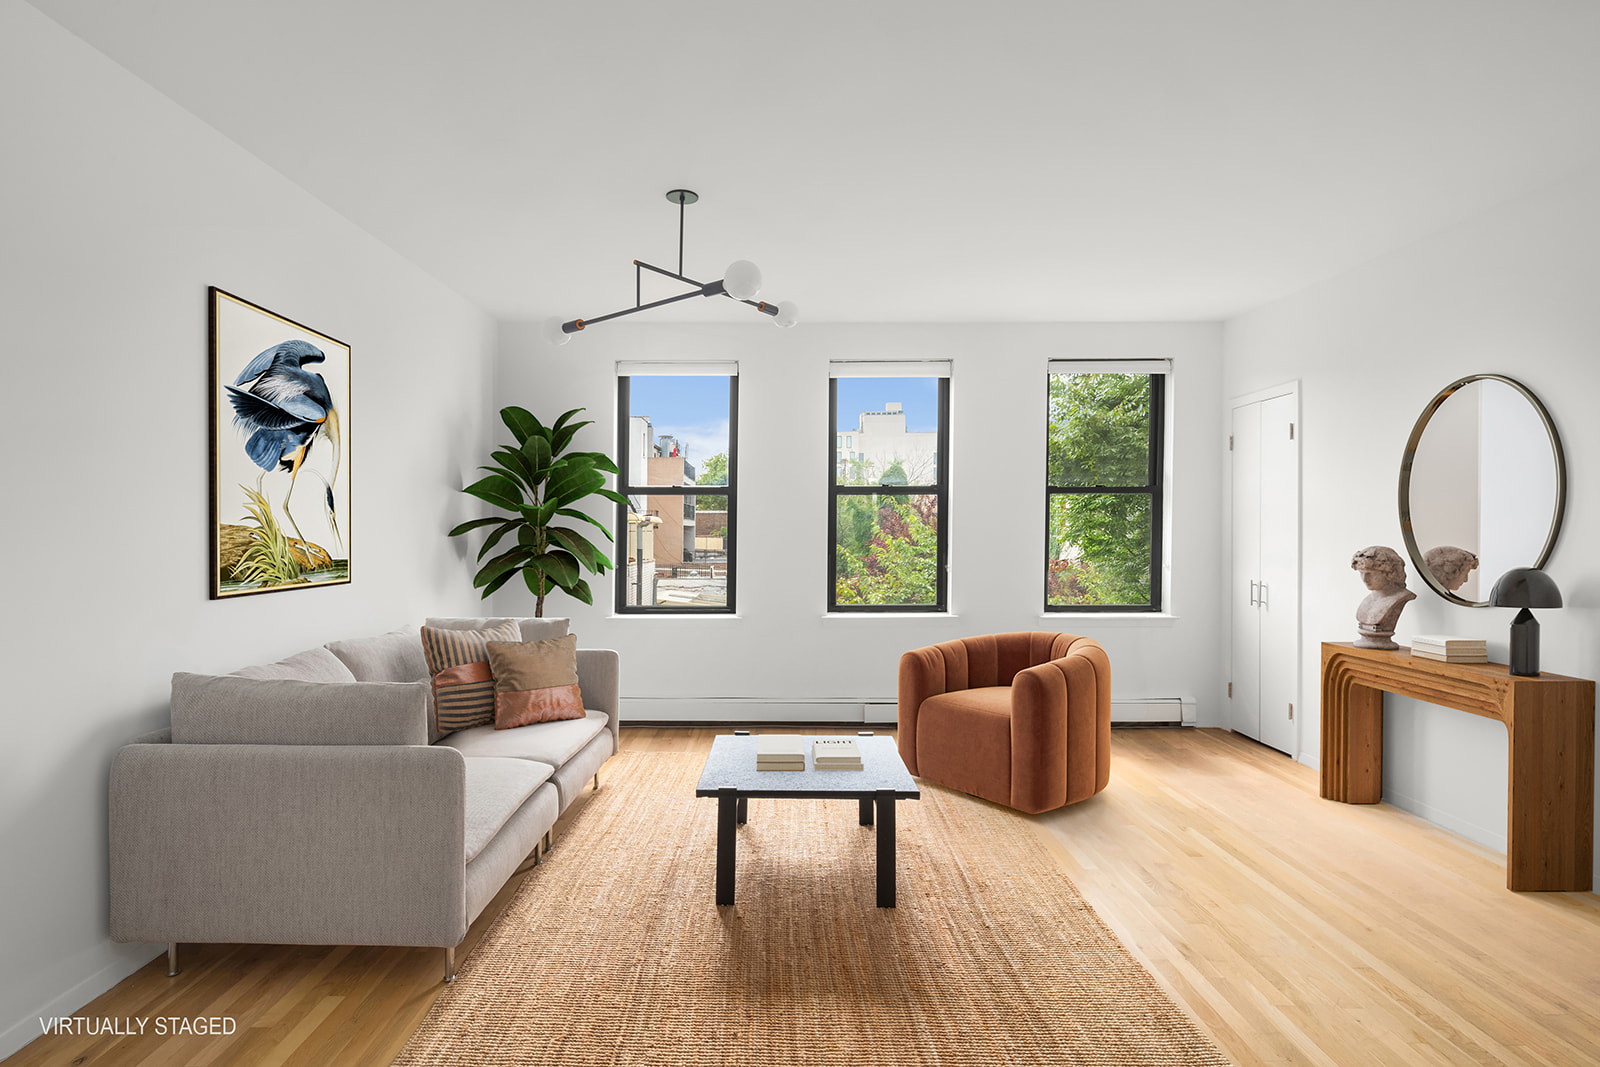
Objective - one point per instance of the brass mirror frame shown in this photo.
(1410, 456)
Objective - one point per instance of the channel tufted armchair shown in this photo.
(1022, 719)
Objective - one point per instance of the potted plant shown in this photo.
(541, 484)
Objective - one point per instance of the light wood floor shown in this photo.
(1296, 930)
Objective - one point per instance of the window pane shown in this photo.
(1099, 430)
(1099, 550)
(678, 430)
(891, 431)
(676, 554)
(887, 550)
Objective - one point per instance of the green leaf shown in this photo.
(498, 582)
(473, 524)
(612, 494)
(571, 486)
(537, 453)
(516, 463)
(567, 417)
(521, 422)
(579, 546)
(510, 476)
(498, 490)
(582, 592)
(562, 435)
(561, 568)
(506, 561)
(573, 513)
(494, 538)
(597, 460)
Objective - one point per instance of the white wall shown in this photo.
(1513, 292)
(119, 209)
(780, 645)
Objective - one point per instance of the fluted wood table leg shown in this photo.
(1550, 809)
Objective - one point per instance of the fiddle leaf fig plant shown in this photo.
(541, 484)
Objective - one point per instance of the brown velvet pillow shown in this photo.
(535, 681)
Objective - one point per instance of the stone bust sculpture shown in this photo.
(1450, 565)
(1384, 572)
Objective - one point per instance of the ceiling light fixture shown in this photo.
(741, 282)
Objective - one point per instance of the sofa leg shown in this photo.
(547, 845)
(536, 850)
(597, 781)
(449, 965)
(172, 959)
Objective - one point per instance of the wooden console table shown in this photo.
(1550, 725)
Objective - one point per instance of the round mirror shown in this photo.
(1483, 486)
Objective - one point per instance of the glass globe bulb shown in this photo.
(742, 279)
(788, 314)
(554, 334)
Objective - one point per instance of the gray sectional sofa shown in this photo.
(312, 801)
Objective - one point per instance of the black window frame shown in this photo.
(627, 489)
(940, 490)
(1155, 488)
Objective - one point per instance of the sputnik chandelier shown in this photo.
(741, 282)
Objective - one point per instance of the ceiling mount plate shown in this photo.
(682, 196)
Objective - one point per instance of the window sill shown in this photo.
(1112, 618)
(890, 615)
(674, 615)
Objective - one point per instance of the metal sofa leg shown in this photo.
(449, 964)
(172, 959)
(597, 781)
(547, 845)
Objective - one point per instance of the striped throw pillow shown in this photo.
(463, 688)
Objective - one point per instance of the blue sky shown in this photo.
(694, 409)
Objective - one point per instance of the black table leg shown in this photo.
(866, 812)
(744, 809)
(727, 836)
(885, 848)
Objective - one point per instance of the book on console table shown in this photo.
(1450, 649)
(780, 752)
(835, 754)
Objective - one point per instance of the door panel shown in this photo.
(1279, 610)
(1244, 708)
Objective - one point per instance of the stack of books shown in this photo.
(1450, 649)
(780, 752)
(835, 754)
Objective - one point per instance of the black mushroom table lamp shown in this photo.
(1525, 587)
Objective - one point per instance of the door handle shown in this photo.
(1261, 597)
(1252, 592)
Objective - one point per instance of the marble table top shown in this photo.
(732, 765)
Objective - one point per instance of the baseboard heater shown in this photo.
(657, 711)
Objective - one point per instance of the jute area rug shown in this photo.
(614, 952)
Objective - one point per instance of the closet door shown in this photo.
(1264, 589)
(1244, 685)
(1278, 595)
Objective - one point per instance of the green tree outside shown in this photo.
(1099, 543)
(714, 472)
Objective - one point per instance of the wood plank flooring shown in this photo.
(1296, 930)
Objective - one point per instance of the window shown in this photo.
(677, 431)
(890, 486)
(1104, 486)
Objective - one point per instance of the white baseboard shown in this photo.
(126, 960)
(638, 711)
(1486, 836)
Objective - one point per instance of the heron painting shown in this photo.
(279, 452)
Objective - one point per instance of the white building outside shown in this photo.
(880, 440)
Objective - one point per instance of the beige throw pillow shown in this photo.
(535, 681)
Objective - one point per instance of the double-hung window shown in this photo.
(1105, 473)
(889, 472)
(677, 436)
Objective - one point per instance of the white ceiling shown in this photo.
(935, 161)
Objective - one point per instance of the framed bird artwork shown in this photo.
(280, 452)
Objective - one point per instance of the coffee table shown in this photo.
(730, 775)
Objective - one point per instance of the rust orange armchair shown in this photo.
(1022, 719)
